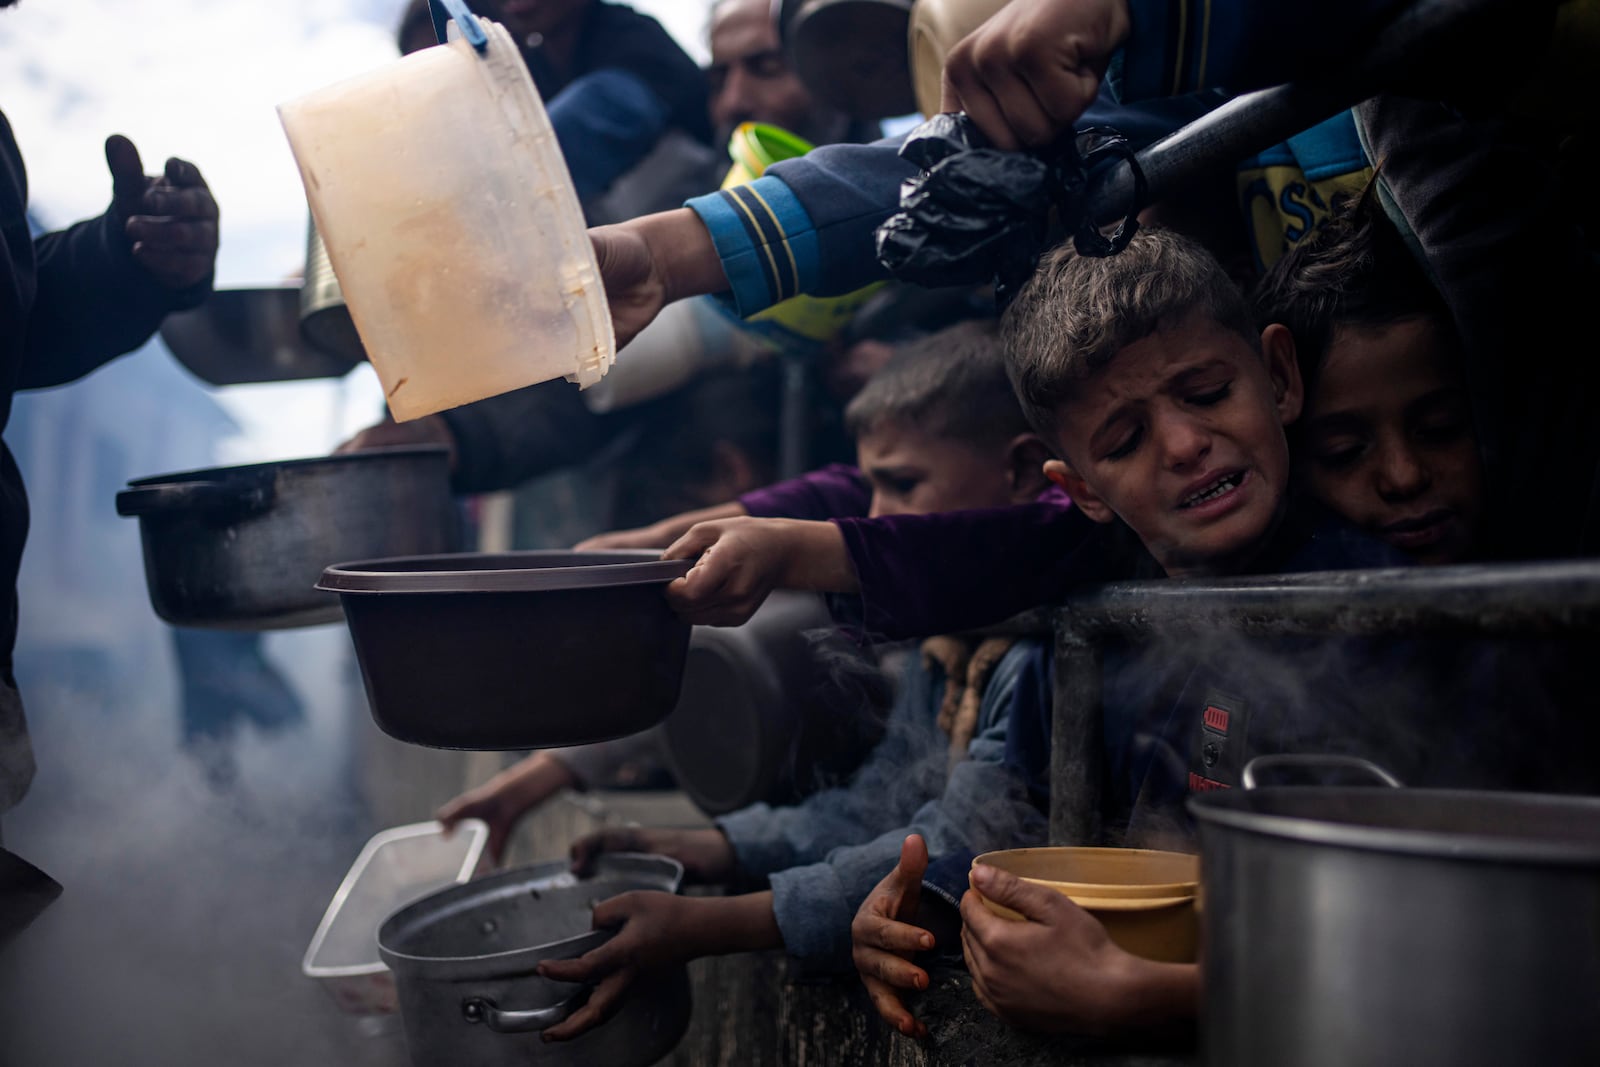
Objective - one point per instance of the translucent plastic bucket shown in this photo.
(453, 227)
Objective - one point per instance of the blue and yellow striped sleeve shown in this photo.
(765, 240)
(806, 225)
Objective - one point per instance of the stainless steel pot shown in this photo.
(325, 319)
(464, 960)
(243, 547)
(249, 335)
(765, 714)
(1405, 927)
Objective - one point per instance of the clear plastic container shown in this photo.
(394, 868)
(453, 226)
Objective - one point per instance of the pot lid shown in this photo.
(503, 572)
(1467, 825)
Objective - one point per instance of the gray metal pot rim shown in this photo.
(369, 455)
(1230, 809)
(389, 576)
(652, 871)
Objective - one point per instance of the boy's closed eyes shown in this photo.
(1390, 442)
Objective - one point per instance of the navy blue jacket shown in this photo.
(69, 302)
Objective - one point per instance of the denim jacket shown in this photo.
(823, 855)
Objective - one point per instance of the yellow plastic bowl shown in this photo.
(1146, 900)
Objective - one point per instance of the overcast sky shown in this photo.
(201, 79)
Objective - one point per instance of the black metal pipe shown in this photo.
(1076, 741)
(1536, 598)
(1256, 121)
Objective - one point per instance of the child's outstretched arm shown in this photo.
(741, 560)
(1058, 971)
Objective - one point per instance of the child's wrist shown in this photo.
(1142, 993)
(725, 925)
(817, 559)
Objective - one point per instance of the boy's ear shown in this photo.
(1025, 460)
(1083, 498)
(1283, 368)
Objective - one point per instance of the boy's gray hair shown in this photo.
(951, 384)
(1077, 312)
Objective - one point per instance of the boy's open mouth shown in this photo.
(1217, 487)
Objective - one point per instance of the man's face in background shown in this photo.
(751, 80)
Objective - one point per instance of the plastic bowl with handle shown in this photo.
(515, 650)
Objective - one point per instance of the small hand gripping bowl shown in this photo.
(515, 650)
(1148, 901)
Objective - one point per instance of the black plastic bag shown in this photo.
(976, 214)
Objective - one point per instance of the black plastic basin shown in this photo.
(514, 650)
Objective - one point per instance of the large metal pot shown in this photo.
(464, 962)
(250, 335)
(243, 547)
(766, 714)
(1405, 927)
(325, 319)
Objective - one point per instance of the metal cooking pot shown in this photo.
(242, 547)
(765, 714)
(249, 335)
(1405, 927)
(325, 319)
(464, 963)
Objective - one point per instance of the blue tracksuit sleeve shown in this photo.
(883, 793)
(1179, 46)
(806, 225)
(606, 122)
(984, 805)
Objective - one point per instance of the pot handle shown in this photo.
(483, 1010)
(1326, 762)
(214, 499)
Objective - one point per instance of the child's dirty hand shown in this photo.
(883, 942)
(504, 799)
(1057, 970)
(654, 930)
(739, 561)
(705, 854)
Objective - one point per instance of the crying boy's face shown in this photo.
(1181, 436)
